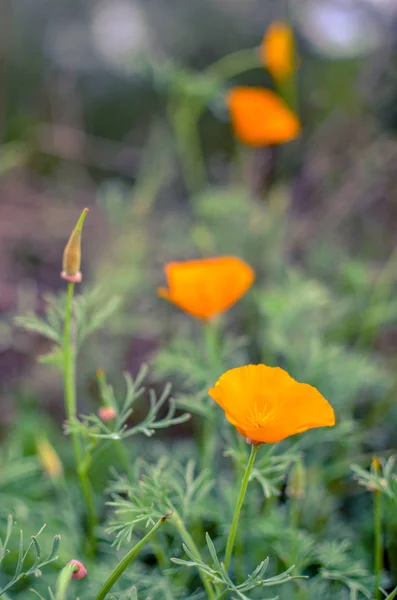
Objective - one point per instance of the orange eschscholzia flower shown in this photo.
(206, 287)
(260, 117)
(277, 50)
(266, 405)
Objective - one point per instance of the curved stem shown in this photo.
(240, 500)
(126, 561)
(190, 543)
(69, 375)
(235, 63)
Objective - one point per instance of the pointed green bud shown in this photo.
(72, 253)
(296, 481)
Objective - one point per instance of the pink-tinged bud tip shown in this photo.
(76, 278)
(79, 570)
(107, 413)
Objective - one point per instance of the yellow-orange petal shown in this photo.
(260, 117)
(204, 288)
(266, 404)
(277, 50)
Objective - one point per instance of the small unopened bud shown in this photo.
(49, 459)
(376, 465)
(107, 413)
(296, 481)
(72, 253)
(79, 571)
(100, 373)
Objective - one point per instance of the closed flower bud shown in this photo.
(72, 253)
(296, 481)
(107, 413)
(49, 459)
(79, 571)
(277, 50)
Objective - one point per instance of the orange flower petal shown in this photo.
(207, 287)
(277, 50)
(266, 404)
(260, 118)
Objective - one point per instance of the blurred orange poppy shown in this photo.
(277, 50)
(204, 288)
(265, 404)
(260, 117)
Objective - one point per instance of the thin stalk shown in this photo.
(126, 561)
(213, 357)
(235, 63)
(190, 543)
(184, 119)
(154, 543)
(239, 504)
(378, 542)
(392, 595)
(63, 582)
(69, 374)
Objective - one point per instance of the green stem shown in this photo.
(213, 357)
(235, 63)
(63, 582)
(190, 543)
(378, 542)
(69, 374)
(127, 560)
(240, 500)
(184, 117)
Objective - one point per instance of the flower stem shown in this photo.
(189, 541)
(378, 542)
(240, 500)
(214, 360)
(69, 375)
(235, 63)
(127, 560)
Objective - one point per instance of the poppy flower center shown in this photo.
(260, 414)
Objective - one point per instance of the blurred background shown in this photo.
(97, 101)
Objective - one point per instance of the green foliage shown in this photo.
(164, 488)
(92, 427)
(219, 575)
(24, 567)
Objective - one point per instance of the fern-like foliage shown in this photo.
(164, 487)
(218, 574)
(22, 568)
(90, 311)
(384, 480)
(92, 427)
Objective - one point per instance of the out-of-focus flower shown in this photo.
(79, 572)
(72, 253)
(277, 50)
(204, 288)
(49, 459)
(107, 413)
(260, 117)
(265, 404)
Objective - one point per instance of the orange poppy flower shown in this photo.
(265, 404)
(277, 50)
(260, 117)
(204, 288)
